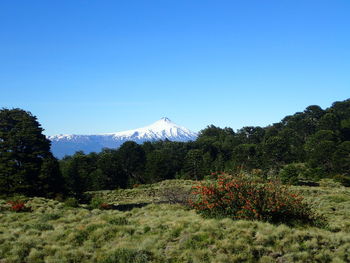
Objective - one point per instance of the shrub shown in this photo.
(18, 206)
(292, 173)
(241, 197)
(343, 179)
(95, 202)
(212, 176)
(71, 202)
(98, 203)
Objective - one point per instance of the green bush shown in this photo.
(71, 202)
(343, 179)
(241, 197)
(292, 173)
(96, 203)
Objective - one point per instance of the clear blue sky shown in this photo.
(88, 67)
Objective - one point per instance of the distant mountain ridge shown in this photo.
(162, 129)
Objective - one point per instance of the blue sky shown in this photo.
(88, 67)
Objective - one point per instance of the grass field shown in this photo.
(159, 232)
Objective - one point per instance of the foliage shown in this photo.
(26, 163)
(71, 202)
(193, 164)
(18, 206)
(241, 197)
(133, 160)
(293, 173)
(343, 179)
(98, 203)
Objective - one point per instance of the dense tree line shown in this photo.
(308, 145)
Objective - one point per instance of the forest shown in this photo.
(301, 149)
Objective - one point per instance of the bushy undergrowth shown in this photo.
(71, 202)
(241, 197)
(99, 203)
(18, 206)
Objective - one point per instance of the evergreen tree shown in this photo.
(341, 158)
(26, 163)
(245, 157)
(194, 164)
(112, 175)
(133, 160)
(320, 148)
(78, 171)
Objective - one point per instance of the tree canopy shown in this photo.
(26, 163)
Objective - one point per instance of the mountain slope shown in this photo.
(162, 129)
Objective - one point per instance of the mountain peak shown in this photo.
(163, 129)
(165, 119)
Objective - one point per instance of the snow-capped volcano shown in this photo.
(162, 129)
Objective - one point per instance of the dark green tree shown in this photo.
(50, 180)
(26, 163)
(341, 158)
(329, 121)
(112, 174)
(194, 164)
(245, 157)
(342, 110)
(78, 173)
(159, 166)
(251, 134)
(275, 152)
(133, 160)
(320, 148)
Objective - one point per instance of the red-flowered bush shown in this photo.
(18, 206)
(241, 197)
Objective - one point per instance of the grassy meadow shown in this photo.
(150, 230)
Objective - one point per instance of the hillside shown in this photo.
(169, 233)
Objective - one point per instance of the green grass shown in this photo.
(53, 232)
(333, 203)
(147, 193)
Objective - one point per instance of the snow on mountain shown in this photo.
(162, 129)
